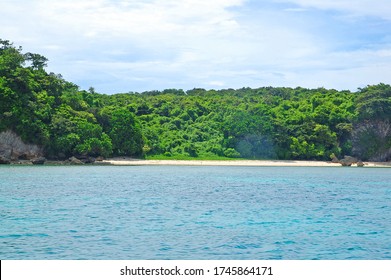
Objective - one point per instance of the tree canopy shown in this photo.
(262, 123)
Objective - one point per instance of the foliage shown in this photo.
(125, 132)
(372, 129)
(275, 123)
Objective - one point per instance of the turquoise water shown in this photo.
(157, 212)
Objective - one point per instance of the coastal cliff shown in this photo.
(12, 148)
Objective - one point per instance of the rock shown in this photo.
(100, 158)
(360, 163)
(334, 159)
(75, 161)
(23, 157)
(345, 163)
(86, 159)
(351, 159)
(13, 148)
(24, 162)
(4, 152)
(16, 154)
(348, 161)
(38, 161)
(4, 160)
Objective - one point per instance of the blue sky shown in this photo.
(129, 45)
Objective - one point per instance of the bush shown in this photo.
(231, 153)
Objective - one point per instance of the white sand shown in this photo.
(129, 161)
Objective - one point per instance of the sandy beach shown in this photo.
(139, 162)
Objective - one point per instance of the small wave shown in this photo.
(24, 235)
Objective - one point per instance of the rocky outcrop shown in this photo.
(38, 161)
(75, 161)
(4, 160)
(334, 159)
(12, 148)
(348, 161)
(376, 147)
(100, 159)
(360, 164)
(86, 159)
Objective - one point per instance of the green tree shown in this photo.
(125, 132)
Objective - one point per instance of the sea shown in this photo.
(194, 212)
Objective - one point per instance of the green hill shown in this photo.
(263, 123)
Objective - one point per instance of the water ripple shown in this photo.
(194, 213)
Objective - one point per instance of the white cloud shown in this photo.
(376, 8)
(130, 45)
(346, 70)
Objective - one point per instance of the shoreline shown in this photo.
(265, 163)
(127, 161)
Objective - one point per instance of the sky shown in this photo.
(135, 46)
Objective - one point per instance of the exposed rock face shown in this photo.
(5, 152)
(86, 159)
(4, 160)
(376, 147)
(37, 161)
(75, 161)
(13, 148)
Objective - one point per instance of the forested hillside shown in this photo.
(264, 123)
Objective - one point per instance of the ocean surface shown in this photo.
(185, 212)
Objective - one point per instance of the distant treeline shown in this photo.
(262, 123)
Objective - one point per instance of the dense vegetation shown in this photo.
(277, 123)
